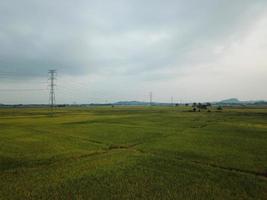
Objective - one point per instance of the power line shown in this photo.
(18, 90)
(17, 74)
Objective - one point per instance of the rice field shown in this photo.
(133, 153)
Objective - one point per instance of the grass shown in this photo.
(133, 153)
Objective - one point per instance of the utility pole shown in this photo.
(52, 95)
(172, 101)
(150, 98)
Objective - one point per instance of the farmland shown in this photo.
(133, 153)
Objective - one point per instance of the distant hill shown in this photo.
(230, 101)
(235, 101)
(226, 102)
(139, 103)
(131, 103)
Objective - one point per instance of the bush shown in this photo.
(219, 108)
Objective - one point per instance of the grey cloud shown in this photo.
(95, 36)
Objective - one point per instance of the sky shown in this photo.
(106, 51)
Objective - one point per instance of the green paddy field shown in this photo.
(133, 153)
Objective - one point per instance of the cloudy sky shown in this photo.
(111, 50)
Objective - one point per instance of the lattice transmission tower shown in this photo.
(52, 94)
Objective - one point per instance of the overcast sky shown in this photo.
(111, 50)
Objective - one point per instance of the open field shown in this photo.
(133, 153)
